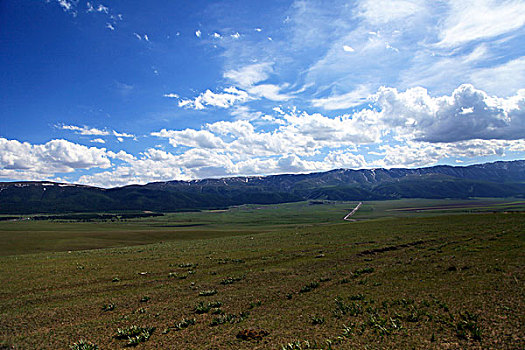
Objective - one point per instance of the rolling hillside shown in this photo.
(499, 179)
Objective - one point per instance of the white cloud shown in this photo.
(224, 99)
(42, 161)
(419, 154)
(110, 26)
(146, 37)
(171, 95)
(191, 138)
(236, 35)
(102, 8)
(84, 130)
(471, 20)
(98, 141)
(249, 75)
(269, 91)
(416, 115)
(443, 73)
(216, 35)
(117, 134)
(504, 79)
(347, 48)
(66, 5)
(381, 12)
(198, 33)
(344, 101)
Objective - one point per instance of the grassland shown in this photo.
(291, 276)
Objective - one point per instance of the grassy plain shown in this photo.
(291, 276)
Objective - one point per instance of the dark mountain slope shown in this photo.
(499, 179)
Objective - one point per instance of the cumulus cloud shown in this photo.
(190, 138)
(301, 134)
(419, 154)
(55, 156)
(407, 128)
(465, 115)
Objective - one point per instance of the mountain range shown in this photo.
(498, 179)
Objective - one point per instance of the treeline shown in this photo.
(95, 217)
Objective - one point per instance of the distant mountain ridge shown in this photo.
(498, 179)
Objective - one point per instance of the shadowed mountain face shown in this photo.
(499, 179)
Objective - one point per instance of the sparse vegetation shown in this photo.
(83, 345)
(309, 287)
(410, 299)
(207, 293)
(134, 334)
(184, 323)
(108, 307)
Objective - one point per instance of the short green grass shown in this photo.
(409, 280)
(26, 236)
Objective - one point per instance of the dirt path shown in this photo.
(352, 212)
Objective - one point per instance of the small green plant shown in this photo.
(184, 323)
(187, 265)
(145, 299)
(342, 308)
(115, 279)
(306, 345)
(134, 334)
(215, 304)
(347, 331)
(229, 318)
(254, 304)
(309, 287)
(83, 345)
(467, 326)
(202, 308)
(108, 307)
(317, 319)
(231, 280)
(357, 297)
(363, 271)
(216, 311)
(207, 293)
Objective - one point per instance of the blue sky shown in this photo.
(110, 93)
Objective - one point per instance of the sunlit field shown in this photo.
(291, 276)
